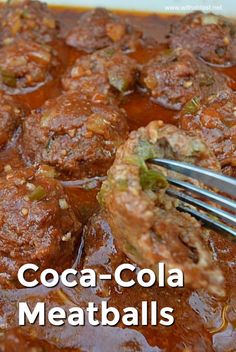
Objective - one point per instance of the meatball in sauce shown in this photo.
(176, 76)
(25, 66)
(102, 75)
(76, 136)
(29, 20)
(145, 221)
(11, 114)
(216, 123)
(211, 37)
(100, 28)
(37, 223)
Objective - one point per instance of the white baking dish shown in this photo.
(224, 7)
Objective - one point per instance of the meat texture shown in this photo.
(144, 220)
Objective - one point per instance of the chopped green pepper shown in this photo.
(149, 178)
(152, 179)
(48, 171)
(206, 80)
(25, 13)
(109, 52)
(120, 83)
(220, 51)
(131, 249)
(8, 78)
(49, 144)
(192, 106)
(37, 194)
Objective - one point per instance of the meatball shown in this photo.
(176, 76)
(195, 311)
(24, 65)
(211, 37)
(37, 223)
(144, 220)
(216, 123)
(30, 20)
(102, 74)
(99, 28)
(76, 136)
(10, 117)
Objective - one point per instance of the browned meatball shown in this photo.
(216, 123)
(102, 74)
(176, 76)
(27, 19)
(76, 136)
(24, 65)
(10, 117)
(144, 220)
(211, 37)
(37, 223)
(100, 28)
(191, 328)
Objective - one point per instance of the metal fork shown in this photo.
(225, 184)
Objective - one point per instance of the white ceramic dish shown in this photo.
(224, 7)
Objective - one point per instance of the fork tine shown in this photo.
(217, 198)
(229, 218)
(209, 222)
(210, 178)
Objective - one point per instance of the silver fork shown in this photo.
(225, 184)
